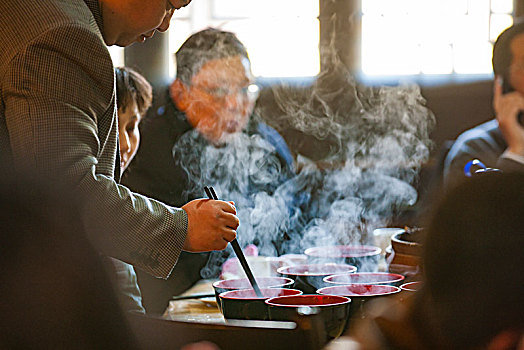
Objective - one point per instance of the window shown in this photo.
(402, 37)
(281, 36)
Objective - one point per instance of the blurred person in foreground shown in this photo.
(212, 98)
(473, 286)
(55, 291)
(58, 122)
(498, 143)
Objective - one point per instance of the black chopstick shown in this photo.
(210, 192)
(192, 296)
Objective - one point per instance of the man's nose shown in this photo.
(233, 100)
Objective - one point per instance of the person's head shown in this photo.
(134, 95)
(214, 84)
(129, 21)
(473, 258)
(508, 56)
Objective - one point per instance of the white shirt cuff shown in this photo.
(513, 156)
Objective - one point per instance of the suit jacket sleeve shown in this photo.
(58, 93)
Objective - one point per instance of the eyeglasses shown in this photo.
(250, 92)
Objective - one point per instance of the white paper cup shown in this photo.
(382, 236)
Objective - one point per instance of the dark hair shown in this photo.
(473, 257)
(502, 56)
(132, 86)
(204, 46)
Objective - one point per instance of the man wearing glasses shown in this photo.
(207, 106)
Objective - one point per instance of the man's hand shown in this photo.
(507, 107)
(211, 225)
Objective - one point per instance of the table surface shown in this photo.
(196, 310)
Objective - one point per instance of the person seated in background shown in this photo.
(212, 97)
(134, 95)
(498, 143)
(473, 286)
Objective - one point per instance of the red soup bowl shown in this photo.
(243, 283)
(308, 278)
(360, 294)
(393, 279)
(364, 257)
(332, 309)
(244, 304)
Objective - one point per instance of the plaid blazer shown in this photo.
(58, 120)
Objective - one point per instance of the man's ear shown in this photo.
(179, 94)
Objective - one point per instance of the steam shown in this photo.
(379, 139)
(245, 170)
(371, 145)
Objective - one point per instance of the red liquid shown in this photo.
(266, 292)
(360, 290)
(316, 269)
(243, 283)
(365, 278)
(308, 300)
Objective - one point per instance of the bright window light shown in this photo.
(437, 59)
(498, 24)
(431, 36)
(502, 6)
(281, 37)
(473, 57)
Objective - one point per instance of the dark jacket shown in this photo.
(484, 142)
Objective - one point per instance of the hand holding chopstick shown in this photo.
(210, 192)
(211, 225)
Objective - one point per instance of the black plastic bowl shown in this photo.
(364, 257)
(244, 304)
(308, 278)
(333, 310)
(360, 294)
(243, 283)
(393, 279)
